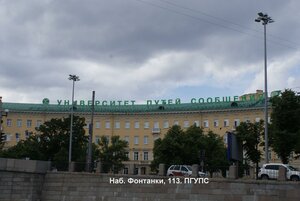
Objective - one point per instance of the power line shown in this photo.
(226, 21)
(213, 23)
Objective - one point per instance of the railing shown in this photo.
(155, 130)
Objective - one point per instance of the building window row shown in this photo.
(127, 139)
(9, 123)
(9, 137)
(136, 156)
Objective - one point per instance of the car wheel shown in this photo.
(294, 178)
(264, 177)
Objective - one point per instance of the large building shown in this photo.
(139, 124)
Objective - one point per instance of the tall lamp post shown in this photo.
(265, 19)
(74, 78)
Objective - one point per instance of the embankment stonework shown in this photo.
(21, 186)
(27, 180)
(64, 186)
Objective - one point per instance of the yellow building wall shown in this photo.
(118, 124)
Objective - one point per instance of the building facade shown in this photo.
(139, 125)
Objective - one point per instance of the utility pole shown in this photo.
(91, 126)
(265, 19)
(74, 78)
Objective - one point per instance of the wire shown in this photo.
(227, 21)
(213, 23)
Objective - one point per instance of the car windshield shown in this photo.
(292, 168)
(189, 167)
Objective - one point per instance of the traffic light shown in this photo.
(2, 137)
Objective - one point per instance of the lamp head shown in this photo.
(260, 14)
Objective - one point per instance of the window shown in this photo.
(145, 139)
(176, 122)
(156, 124)
(136, 140)
(206, 124)
(257, 119)
(97, 124)
(247, 120)
(166, 124)
(226, 122)
(8, 137)
(272, 167)
(17, 137)
(126, 138)
(9, 122)
(127, 124)
(87, 122)
(107, 137)
(29, 123)
(127, 154)
(146, 156)
(197, 123)
(216, 123)
(107, 124)
(186, 124)
(117, 125)
(136, 156)
(146, 124)
(27, 134)
(236, 122)
(19, 123)
(136, 124)
(97, 139)
(184, 169)
(38, 123)
(269, 120)
(125, 170)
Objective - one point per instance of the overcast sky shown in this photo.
(145, 49)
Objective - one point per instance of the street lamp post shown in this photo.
(74, 78)
(265, 19)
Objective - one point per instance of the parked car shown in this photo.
(182, 170)
(271, 170)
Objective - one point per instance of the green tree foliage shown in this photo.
(51, 142)
(179, 147)
(285, 127)
(170, 150)
(215, 154)
(250, 134)
(112, 154)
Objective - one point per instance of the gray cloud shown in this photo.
(141, 48)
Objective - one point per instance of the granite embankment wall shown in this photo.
(33, 183)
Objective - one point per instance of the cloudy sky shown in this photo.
(145, 49)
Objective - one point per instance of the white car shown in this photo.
(271, 170)
(182, 170)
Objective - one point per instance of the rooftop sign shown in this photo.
(158, 101)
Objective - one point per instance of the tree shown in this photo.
(179, 147)
(250, 135)
(215, 154)
(112, 155)
(169, 150)
(51, 142)
(194, 142)
(29, 148)
(285, 127)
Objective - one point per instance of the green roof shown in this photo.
(25, 107)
